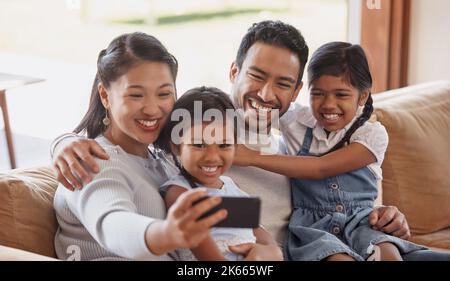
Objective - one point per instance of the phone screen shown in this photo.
(243, 212)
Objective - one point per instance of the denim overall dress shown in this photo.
(330, 216)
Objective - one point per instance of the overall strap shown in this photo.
(307, 140)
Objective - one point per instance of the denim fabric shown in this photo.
(331, 216)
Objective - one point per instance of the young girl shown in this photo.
(202, 159)
(336, 163)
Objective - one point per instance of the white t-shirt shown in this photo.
(271, 143)
(295, 122)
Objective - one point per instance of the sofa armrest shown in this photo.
(416, 163)
(27, 218)
(12, 254)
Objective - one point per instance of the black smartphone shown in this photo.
(243, 212)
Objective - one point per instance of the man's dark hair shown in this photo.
(275, 33)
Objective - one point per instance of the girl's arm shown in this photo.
(207, 250)
(352, 157)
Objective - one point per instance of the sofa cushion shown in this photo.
(13, 254)
(437, 240)
(27, 218)
(417, 162)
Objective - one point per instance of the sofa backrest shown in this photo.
(417, 163)
(415, 170)
(27, 218)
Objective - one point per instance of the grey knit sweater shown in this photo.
(107, 219)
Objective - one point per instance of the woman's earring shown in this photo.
(106, 120)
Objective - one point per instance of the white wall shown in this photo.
(429, 57)
(354, 21)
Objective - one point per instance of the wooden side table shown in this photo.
(7, 82)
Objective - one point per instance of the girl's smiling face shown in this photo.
(139, 103)
(208, 157)
(334, 102)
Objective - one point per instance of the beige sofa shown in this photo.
(416, 178)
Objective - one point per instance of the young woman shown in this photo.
(120, 214)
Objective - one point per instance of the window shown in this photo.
(60, 40)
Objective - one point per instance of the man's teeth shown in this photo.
(331, 116)
(147, 123)
(209, 169)
(260, 107)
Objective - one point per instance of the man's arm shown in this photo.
(208, 251)
(265, 248)
(263, 236)
(72, 155)
(258, 252)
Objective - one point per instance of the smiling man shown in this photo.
(265, 80)
(266, 76)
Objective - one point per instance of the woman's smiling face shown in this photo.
(139, 103)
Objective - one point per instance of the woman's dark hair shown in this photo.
(211, 98)
(348, 61)
(123, 53)
(275, 33)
